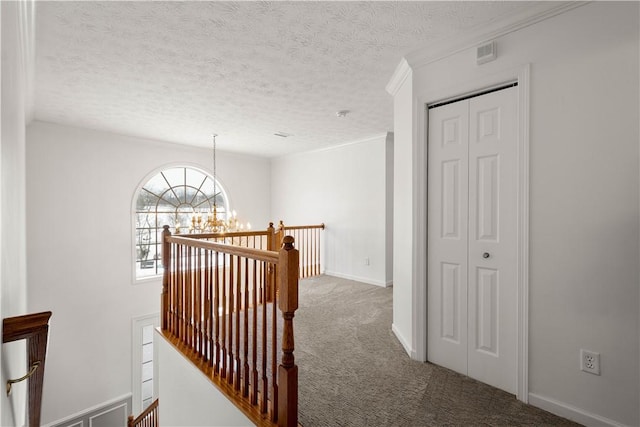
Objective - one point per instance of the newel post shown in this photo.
(288, 304)
(166, 262)
(280, 233)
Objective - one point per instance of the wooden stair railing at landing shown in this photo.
(35, 329)
(307, 237)
(219, 309)
(148, 417)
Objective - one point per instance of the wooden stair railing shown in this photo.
(307, 238)
(219, 309)
(35, 329)
(148, 417)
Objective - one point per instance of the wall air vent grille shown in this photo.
(487, 52)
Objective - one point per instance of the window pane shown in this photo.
(207, 187)
(169, 201)
(147, 371)
(147, 334)
(147, 390)
(194, 177)
(174, 176)
(146, 403)
(146, 201)
(156, 185)
(147, 352)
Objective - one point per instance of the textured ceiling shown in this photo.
(180, 71)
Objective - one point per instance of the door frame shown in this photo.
(461, 89)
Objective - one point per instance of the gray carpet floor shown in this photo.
(354, 372)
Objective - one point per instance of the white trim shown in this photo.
(419, 226)
(522, 391)
(411, 352)
(90, 410)
(334, 147)
(137, 323)
(521, 74)
(571, 412)
(440, 49)
(403, 70)
(380, 283)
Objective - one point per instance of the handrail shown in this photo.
(302, 227)
(148, 417)
(219, 309)
(258, 254)
(35, 329)
(227, 234)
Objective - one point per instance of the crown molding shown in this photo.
(402, 72)
(442, 49)
(382, 136)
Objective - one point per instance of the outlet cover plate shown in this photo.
(590, 361)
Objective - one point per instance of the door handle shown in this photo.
(486, 255)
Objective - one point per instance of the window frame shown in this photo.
(220, 187)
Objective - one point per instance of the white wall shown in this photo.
(584, 201)
(403, 207)
(80, 187)
(187, 397)
(14, 105)
(345, 188)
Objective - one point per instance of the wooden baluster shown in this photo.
(265, 380)
(230, 283)
(223, 328)
(216, 313)
(288, 303)
(166, 274)
(274, 355)
(313, 250)
(180, 299)
(208, 301)
(175, 280)
(238, 311)
(254, 338)
(309, 231)
(272, 245)
(197, 303)
(188, 298)
(245, 384)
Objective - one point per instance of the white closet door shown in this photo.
(472, 253)
(448, 235)
(493, 297)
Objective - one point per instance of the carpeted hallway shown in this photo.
(354, 372)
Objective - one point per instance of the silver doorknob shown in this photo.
(486, 255)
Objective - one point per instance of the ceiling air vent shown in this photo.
(486, 53)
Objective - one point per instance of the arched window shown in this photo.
(174, 197)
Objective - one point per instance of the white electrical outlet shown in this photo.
(366, 261)
(590, 361)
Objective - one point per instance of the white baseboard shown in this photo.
(411, 352)
(358, 279)
(571, 412)
(79, 418)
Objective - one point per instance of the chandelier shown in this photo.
(212, 223)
